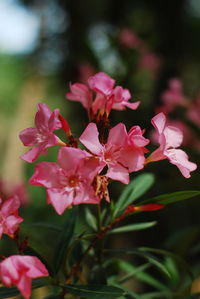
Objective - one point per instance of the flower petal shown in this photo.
(29, 136)
(60, 199)
(119, 173)
(47, 174)
(159, 121)
(90, 138)
(70, 158)
(102, 83)
(180, 159)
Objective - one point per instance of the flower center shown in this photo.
(73, 181)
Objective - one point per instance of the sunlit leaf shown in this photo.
(133, 227)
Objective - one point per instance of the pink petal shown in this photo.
(47, 174)
(180, 159)
(99, 103)
(91, 167)
(102, 83)
(8, 271)
(54, 123)
(80, 93)
(60, 199)
(29, 136)
(118, 173)
(24, 286)
(132, 158)
(157, 155)
(35, 267)
(42, 116)
(173, 136)
(133, 106)
(158, 122)
(11, 224)
(11, 205)
(85, 195)
(70, 158)
(34, 153)
(118, 135)
(90, 138)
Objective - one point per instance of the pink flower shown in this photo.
(102, 83)
(120, 98)
(150, 61)
(173, 96)
(42, 136)
(170, 138)
(80, 92)
(120, 153)
(106, 97)
(70, 181)
(9, 219)
(19, 270)
(129, 39)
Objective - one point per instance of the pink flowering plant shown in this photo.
(77, 184)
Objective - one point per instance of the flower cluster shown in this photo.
(106, 96)
(81, 176)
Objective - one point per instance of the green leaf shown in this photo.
(133, 191)
(8, 292)
(143, 276)
(147, 256)
(13, 291)
(91, 220)
(65, 238)
(133, 227)
(95, 291)
(169, 198)
(43, 225)
(183, 265)
(134, 272)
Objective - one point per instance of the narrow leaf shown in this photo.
(147, 256)
(169, 198)
(65, 238)
(13, 291)
(95, 291)
(133, 227)
(91, 220)
(133, 191)
(134, 272)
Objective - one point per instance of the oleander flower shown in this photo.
(100, 95)
(42, 136)
(122, 154)
(9, 219)
(70, 181)
(170, 138)
(19, 270)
